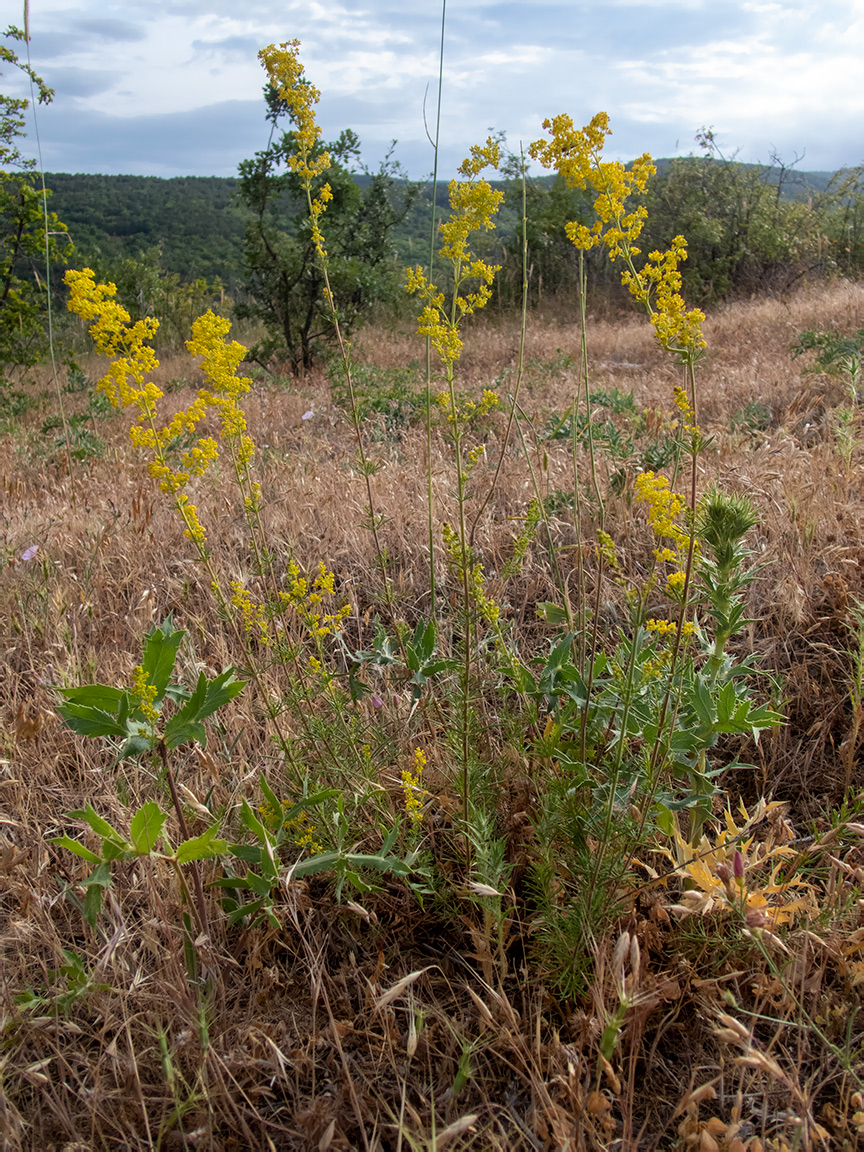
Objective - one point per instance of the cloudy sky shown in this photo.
(173, 87)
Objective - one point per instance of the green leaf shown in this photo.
(95, 696)
(260, 885)
(351, 860)
(202, 847)
(92, 905)
(245, 910)
(177, 694)
(524, 680)
(253, 823)
(551, 613)
(87, 720)
(271, 797)
(77, 847)
(100, 877)
(315, 864)
(390, 838)
(146, 827)
(241, 883)
(379, 863)
(431, 667)
(248, 853)
(209, 695)
(100, 827)
(310, 802)
(160, 652)
(135, 746)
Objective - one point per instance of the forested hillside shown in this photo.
(199, 225)
(193, 219)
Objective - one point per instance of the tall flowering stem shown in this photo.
(309, 163)
(473, 204)
(577, 154)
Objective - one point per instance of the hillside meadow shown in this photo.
(519, 948)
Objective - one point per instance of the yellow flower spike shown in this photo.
(193, 530)
(576, 154)
(285, 73)
(473, 204)
(251, 613)
(664, 506)
(606, 548)
(144, 693)
(413, 791)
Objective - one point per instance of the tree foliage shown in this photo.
(24, 236)
(283, 276)
(749, 227)
(192, 220)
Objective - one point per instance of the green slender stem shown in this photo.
(430, 491)
(521, 363)
(33, 102)
(553, 551)
(199, 904)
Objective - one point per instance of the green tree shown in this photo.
(283, 278)
(23, 233)
(749, 227)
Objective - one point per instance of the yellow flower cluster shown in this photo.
(413, 790)
(576, 154)
(304, 834)
(464, 410)
(220, 360)
(486, 608)
(144, 693)
(606, 548)
(194, 530)
(675, 582)
(115, 336)
(473, 203)
(523, 540)
(669, 627)
(301, 826)
(307, 599)
(665, 509)
(251, 614)
(125, 384)
(676, 328)
(285, 73)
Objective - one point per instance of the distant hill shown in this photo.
(193, 219)
(199, 228)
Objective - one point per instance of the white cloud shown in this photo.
(763, 72)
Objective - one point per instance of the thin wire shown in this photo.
(52, 356)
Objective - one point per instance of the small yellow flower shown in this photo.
(251, 614)
(606, 547)
(144, 693)
(413, 790)
(675, 584)
(473, 204)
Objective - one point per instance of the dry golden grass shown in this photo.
(303, 1048)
